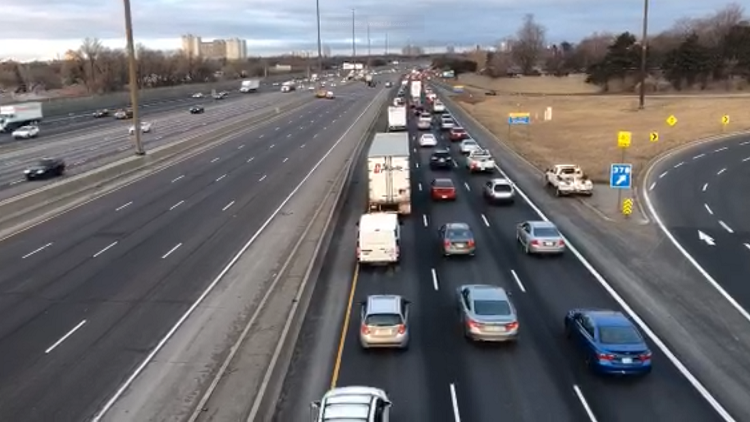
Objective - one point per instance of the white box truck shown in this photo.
(249, 85)
(13, 116)
(378, 239)
(388, 168)
(416, 90)
(396, 118)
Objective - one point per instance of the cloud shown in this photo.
(273, 26)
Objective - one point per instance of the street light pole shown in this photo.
(133, 71)
(369, 46)
(386, 44)
(644, 54)
(354, 41)
(320, 47)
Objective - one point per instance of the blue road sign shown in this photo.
(621, 176)
(519, 118)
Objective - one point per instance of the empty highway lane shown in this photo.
(87, 295)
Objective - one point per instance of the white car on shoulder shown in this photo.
(469, 145)
(428, 140)
(26, 132)
(145, 128)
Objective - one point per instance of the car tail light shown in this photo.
(359, 251)
(511, 326)
(470, 243)
(535, 243)
(401, 329)
(364, 329)
(472, 324)
(645, 356)
(605, 357)
(447, 243)
(561, 242)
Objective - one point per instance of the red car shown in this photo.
(458, 134)
(443, 190)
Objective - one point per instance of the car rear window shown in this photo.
(501, 188)
(383, 320)
(491, 307)
(459, 234)
(443, 183)
(441, 155)
(619, 335)
(546, 232)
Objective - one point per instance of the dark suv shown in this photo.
(441, 159)
(44, 168)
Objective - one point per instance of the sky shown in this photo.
(45, 29)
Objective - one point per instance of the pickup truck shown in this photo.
(480, 161)
(568, 179)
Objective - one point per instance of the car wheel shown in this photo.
(557, 192)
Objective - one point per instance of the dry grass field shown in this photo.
(570, 85)
(584, 128)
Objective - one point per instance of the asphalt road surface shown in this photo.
(701, 197)
(104, 144)
(87, 295)
(442, 376)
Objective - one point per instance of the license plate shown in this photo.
(461, 245)
(382, 332)
(442, 160)
(627, 360)
(495, 328)
(549, 243)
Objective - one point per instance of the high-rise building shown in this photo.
(191, 45)
(236, 49)
(231, 49)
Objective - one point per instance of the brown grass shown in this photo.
(583, 129)
(568, 85)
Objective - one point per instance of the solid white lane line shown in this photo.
(699, 156)
(466, 185)
(454, 403)
(285, 160)
(171, 250)
(226, 207)
(65, 337)
(250, 159)
(176, 205)
(653, 185)
(78, 163)
(108, 247)
(663, 174)
(262, 178)
(710, 211)
(15, 182)
(177, 178)
(434, 279)
(584, 403)
(721, 149)
(486, 221)
(724, 225)
(37, 250)
(215, 160)
(221, 177)
(424, 220)
(705, 186)
(122, 207)
(681, 163)
(518, 280)
(721, 171)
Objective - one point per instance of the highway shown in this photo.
(85, 150)
(87, 295)
(443, 377)
(700, 195)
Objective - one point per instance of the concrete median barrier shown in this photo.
(38, 205)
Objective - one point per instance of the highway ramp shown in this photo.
(89, 294)
(442, 377)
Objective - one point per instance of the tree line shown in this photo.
(693, 53)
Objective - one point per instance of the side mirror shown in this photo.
(362, 303)
(408, 302)
(386, 403)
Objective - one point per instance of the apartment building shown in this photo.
(231, 49)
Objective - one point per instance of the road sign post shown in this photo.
(724, 122)
(519, 119)
(620, 174)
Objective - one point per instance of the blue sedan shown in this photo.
(609, 342)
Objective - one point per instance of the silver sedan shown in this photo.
(540, 237)
(487, 313)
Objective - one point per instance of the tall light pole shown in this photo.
(369, 46)
(320, 47)
(354, 41)
(644, 54)
(386, 44)
(133, 71)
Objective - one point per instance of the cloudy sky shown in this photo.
(45, 28)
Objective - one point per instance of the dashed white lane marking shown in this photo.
(584, 403)
(420, 186)
(699, 156)
(240, 147)
(747, 245)
(721, 171)
(416, 165)
(123, 206)
(745, 143)
(744, 160)
(725, 226)
(177, 178)
(486, 221)
(325, 127)
(315, 136)
(227, 206)
(518, 280)
(434, 279)
(710, 211)
(171, 251)
(663, 174)
(37, 250)
(275, 129)
(679, 164)
(79, 162)
(302, 146)
(705, 186)
(285, 160)
(221, 177)
(289, 135)
(259, 137)
(215, 160)
(65, 337)
(424, 220)
(653, 185)
(454, 404)
(15, 182)
(123, 148)
(262, 178)
(105, 249)
(466, 185)
(250, 159)
(721, 149)
(176, 205)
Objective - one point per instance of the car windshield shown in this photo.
(619, 335)
(25, 128)
(459, 234)
(501, 188)
(491, 307)
(441, 155)
(383, 320)
(443, 183)
(546, 232)
(458, 131)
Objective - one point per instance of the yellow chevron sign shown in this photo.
(627, 206)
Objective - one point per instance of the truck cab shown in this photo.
(352, 404)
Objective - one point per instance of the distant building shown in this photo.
(231, 49)
(450, 49)
(191, 45)
(236, 49)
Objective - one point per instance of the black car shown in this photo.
(196, 109)
(441, 159)
(100, 113)
(44, 168)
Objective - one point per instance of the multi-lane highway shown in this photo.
(87, 295)
(84, 150)
(699, 195)
(442, 377)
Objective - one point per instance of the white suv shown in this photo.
(355, 404)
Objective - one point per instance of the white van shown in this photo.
(378, 239)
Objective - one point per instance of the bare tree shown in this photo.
(592, 49)
(529, 46)
(89, 54)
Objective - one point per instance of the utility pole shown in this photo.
(644, 55)
(133, 82)
(386, 44)
(369, 46)
(320, 51)
(354, 41)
